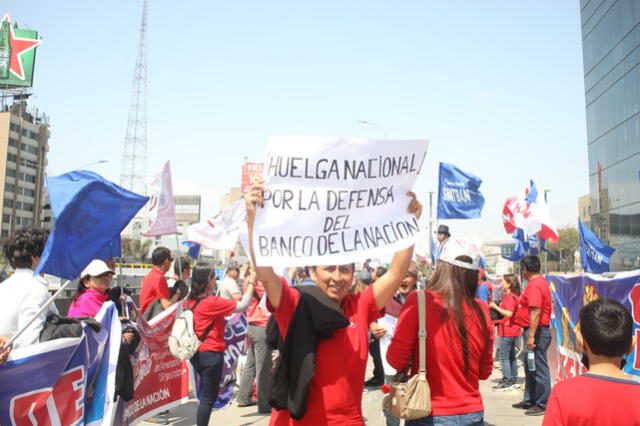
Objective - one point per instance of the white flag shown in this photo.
(162, 206)
(220, 232)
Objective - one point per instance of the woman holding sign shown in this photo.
(329, 390)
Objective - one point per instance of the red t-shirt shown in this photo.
(211, 308)
(593, 400)
(255, 314)
(508, 328)
(536, 294)
(335, 392)
(154, 286)
(453, 391)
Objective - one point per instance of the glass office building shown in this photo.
(611, 53)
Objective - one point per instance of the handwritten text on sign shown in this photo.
(333, 201)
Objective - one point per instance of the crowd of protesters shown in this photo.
(325, 325)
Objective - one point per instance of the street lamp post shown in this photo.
(546, 255)
(369, 123)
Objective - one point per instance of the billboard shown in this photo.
(17, 54)
(251, 173)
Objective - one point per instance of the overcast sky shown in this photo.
(497, 86)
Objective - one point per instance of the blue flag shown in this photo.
(458, 194)
(194, 249)
(594, 253)
(89, 213)
(518, 252)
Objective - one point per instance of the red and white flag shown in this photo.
(222, 231)
(530, 213)
(162, 206)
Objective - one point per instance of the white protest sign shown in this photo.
(389, 323)
(336, 201)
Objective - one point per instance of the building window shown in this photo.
(6, 218)
(8, 187)
(13, 142)
(14, 127)
(27, 207)
(25, 132)
(10, 173)
(33, 135)
(8, 203)
(5, 233)
(11, 157)
(27, 178)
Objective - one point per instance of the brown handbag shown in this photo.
(411, 399)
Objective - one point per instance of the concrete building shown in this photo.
(187, 213)
(584, 210)
(24, 144)
(611, 53)
(239, 254)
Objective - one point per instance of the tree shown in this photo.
(565, 248)
(135, 249)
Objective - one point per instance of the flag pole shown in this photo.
(36, 316)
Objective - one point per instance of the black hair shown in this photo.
(200, 281)
(234, 268)
(607, 327)
(24, 244)
(185, 262)
(180, 286)
(81, 287)
(531, 263)
(380, 271)
(159, 255)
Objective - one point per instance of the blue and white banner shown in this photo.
(459, 196)
(570, 293)
(595, 254)
(67, 381)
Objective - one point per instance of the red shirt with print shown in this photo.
(453, 390)
(508, 328)
(255, 314)
(538, 295)
(154, 286)
(593, 400)
(211, 309)
(335, 392)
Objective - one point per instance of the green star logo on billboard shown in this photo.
(17, 55)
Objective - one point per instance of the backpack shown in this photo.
(183, 340)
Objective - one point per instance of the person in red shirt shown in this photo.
(533, 315)
(335, 392)
(258, 363)
(604, 396)
(154, 285)
(208, 324)
(508, 332)
(459, 342)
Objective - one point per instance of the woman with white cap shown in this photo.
(459, 338)
(93, 284)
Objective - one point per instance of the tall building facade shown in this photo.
(611, 55)
(24, 144)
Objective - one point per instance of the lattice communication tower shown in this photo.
(134, 160)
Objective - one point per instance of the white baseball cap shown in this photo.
(456, 247)
(95, 268)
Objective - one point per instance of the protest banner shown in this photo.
(251, 174)
(66, 381)
(332, 200)
(570, 293)
(162, 206)
(235, 337)
(161, 381)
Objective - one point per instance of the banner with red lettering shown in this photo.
(161, 381)
(66, 381)
(251, 173)
(570, 294)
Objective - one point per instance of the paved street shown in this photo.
(498, 409)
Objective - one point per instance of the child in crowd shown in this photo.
(605, 395)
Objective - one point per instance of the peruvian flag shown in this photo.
(529, 212)
(162, 206)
